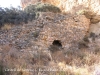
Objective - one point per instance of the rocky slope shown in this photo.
(53, 41)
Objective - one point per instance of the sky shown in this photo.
(9, 3)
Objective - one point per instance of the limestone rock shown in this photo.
(68, 5)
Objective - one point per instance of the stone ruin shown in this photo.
(63, 30)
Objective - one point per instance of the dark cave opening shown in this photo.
(57, 43)
(56, 46)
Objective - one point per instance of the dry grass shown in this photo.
(6, 27)
(82, 62)
(83, 56)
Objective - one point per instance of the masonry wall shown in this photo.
(69, 29)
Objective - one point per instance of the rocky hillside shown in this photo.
(53, 43)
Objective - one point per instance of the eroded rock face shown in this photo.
(68, 5)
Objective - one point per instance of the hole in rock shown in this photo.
(57, 43)
(56, 46)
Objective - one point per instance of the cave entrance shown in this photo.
(57, 43)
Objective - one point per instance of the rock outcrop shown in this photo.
(68, 5)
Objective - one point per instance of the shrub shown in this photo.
(14, 16)
(42, 7)
(93, 36)
(1, 70)
(82, 44)
(85, 39)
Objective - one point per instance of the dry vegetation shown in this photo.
(14, 16)
(80, 62)
(42, 7)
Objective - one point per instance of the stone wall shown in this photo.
(68, 29)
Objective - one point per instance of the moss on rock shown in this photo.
(42, 7)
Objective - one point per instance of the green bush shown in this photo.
(1, 70)
(14, 16)
(42, 7)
